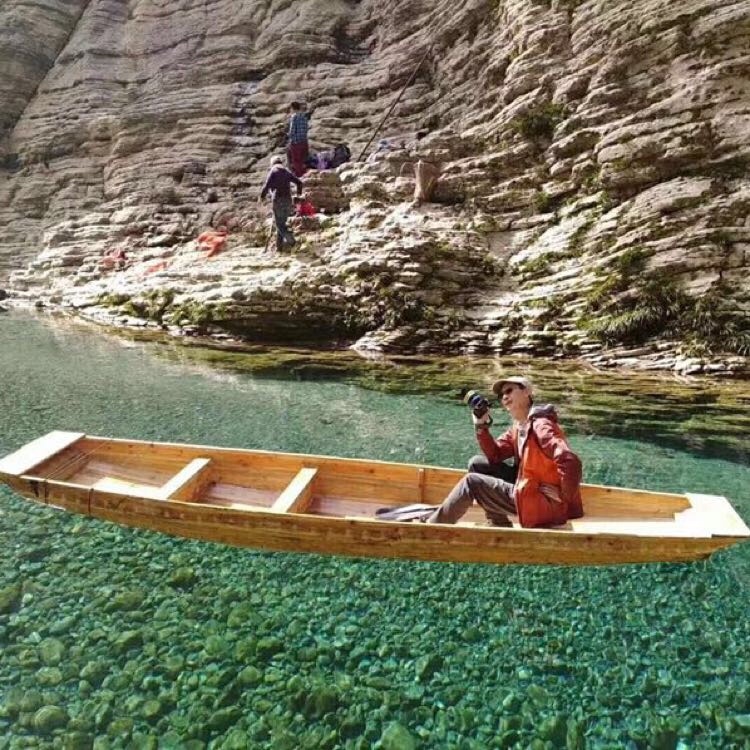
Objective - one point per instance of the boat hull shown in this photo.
(309, 513)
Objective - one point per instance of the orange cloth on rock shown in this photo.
(213, 241)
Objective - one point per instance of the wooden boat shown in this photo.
(300, 503)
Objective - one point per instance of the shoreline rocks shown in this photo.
(659, 357)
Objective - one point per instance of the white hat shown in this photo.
(277, 160)
(525, 383)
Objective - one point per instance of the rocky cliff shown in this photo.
(593, 197)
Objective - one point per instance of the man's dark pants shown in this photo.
(282, 210)
(490, 485)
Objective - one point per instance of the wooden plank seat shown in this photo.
(297, 496)
(37, 452)
(186, 485)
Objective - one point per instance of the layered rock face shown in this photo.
(593, 192)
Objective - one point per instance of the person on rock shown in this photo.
(298, 149)
(543, 486)
(279, 182)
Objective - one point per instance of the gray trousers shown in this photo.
(282, 210)
(489, 485)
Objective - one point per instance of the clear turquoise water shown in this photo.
(117, 638)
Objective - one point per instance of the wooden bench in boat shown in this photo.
(36, 452)
(190, 482)
(297, 496)
(186, 485)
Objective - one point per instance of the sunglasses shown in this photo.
(506, 391)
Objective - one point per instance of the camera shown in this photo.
(476, 402)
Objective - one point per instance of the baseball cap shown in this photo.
(517, 380)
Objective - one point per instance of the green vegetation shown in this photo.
(631, 262)
(624, 307)
(632, 316)
(193, 312)
(152, 305)
(576, 248)
(491, 266)
(444, 248)
(513, 326)
(453, 321)
(606, 201)
(591, 177)
(112, 299)
(544, 202)
(539, 123)
(158, 305)
(538, 266)
(628, 307)
(553, 309)
(711, 323)
(393, 309)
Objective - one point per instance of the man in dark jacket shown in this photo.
(279, 182)
(543, 486)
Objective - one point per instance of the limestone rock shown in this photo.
(574, 138)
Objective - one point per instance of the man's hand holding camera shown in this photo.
(480, 410)
(481, 422)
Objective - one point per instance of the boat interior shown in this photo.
(319, 485)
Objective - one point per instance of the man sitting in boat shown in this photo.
(543, 487)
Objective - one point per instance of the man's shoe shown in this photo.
(496, 523)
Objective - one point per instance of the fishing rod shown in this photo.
(398, 98)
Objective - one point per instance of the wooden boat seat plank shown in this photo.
(381, 489)
(36, 452)
(232, 505)
(96, 469)
(297, 496)
(188, 483)
(334, 505)
(347, 507)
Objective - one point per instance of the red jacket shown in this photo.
(545, 458)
